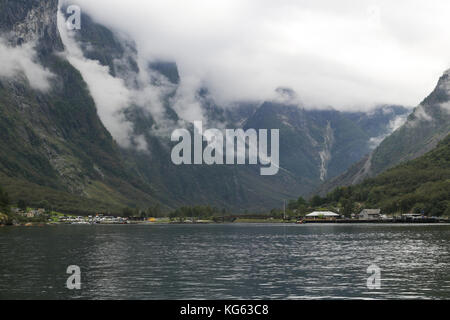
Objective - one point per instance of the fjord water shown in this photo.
(235, 261)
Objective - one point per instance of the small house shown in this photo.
(370, 214)
(323, 215)
(31, 214)
(412, 216)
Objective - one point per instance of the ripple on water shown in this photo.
(226, 262)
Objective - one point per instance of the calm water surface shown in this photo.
(236, 261)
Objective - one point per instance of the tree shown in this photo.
(317, 201)
(302, 210)
(156, 210)
(447, 211)
(44, 204)
(173, 215)
(127, 212)
(276, 213)
(301, 202)
(292, 205)
(4, 201)
(348, 207)
(419, 208)
(22, 205)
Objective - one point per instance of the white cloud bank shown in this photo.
(114, 95)
(393, 125)
(110, 94)
(20, 61)
(345, 54)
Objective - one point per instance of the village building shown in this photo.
(325, 215)
(35, 213)
(412, 216)
(370, 214)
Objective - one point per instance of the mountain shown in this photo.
(320, 144)
(424, 128)
(53, 146)
(315, 144)
(374, 122)
(89, 129)
(420, 185)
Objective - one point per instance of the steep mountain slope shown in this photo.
(420, 185)
(321, 144)
(52, 140)
(374, 122)
(425, 127)
(59, 144)
(311, 141)
(315, 145)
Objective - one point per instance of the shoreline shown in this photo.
(322, 223)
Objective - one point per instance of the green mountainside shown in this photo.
(420, 186)
(55, 149)
(53, 146)
(315, 144)
(424, 128)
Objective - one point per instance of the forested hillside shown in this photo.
(421, 186)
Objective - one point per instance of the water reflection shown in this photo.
(226, 261)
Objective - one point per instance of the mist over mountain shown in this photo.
(224, 149)
(421, 186)
(428, 124)
(89, 129)
(344, 54)
(53, 145)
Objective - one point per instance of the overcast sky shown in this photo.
(340, 53)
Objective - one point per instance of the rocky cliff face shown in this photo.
(54, 145)
(423, 130)
(31, 21)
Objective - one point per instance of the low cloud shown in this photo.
(109, 93)
(345, 54)
(321, 54)
(114, 95)
(420, 114)
(186, 102)
(20, 61)
(393, 125)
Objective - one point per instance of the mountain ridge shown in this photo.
(56, 139)
(421, 185)
(424, 129)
